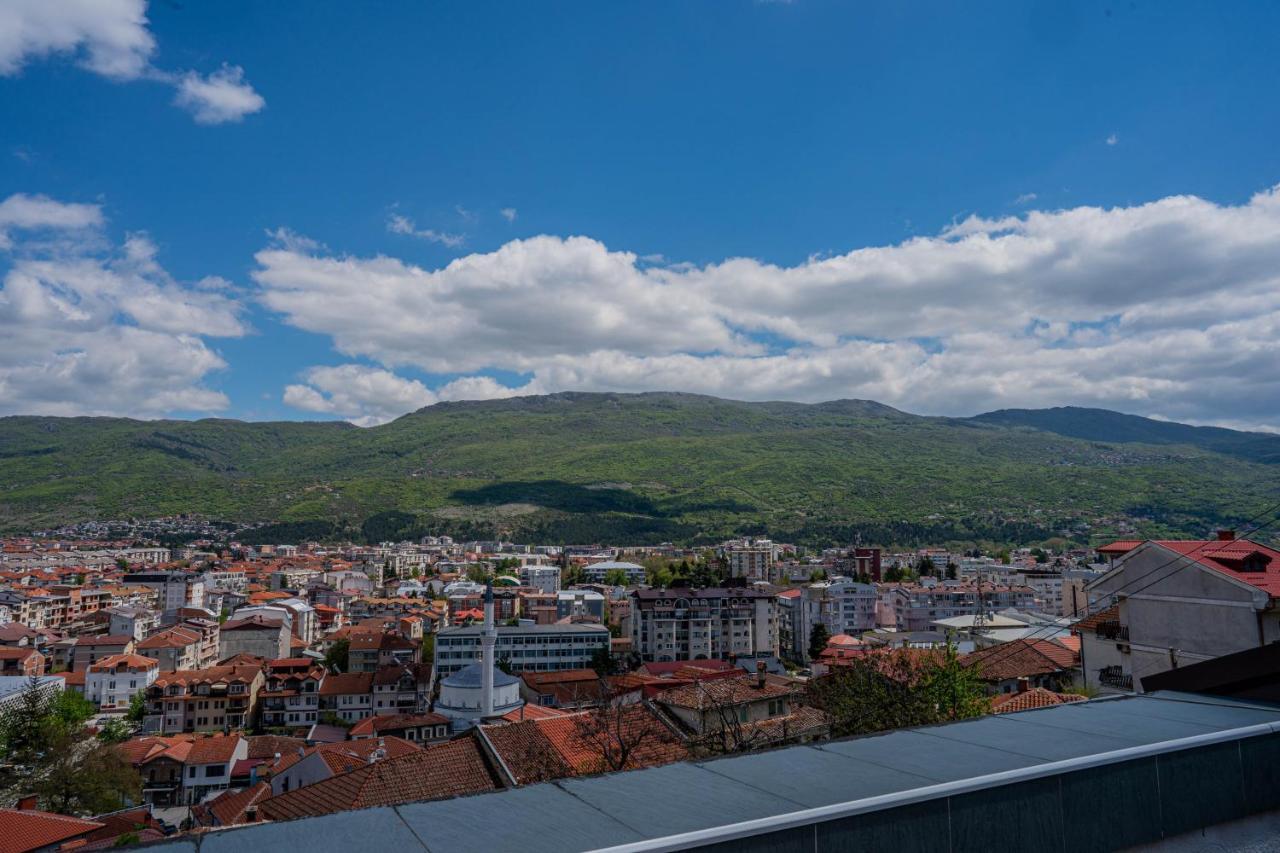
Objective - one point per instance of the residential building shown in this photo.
(208, 765)
(739, 713)
(21, 661)
(175, 648)
(112, 682)
(1020, 664)
(580, 605)
(311, 765)
(257, 635)
(916, 606)
(841, 605)
(176, 590)
(348, 695)
(753, 562)
(541, 578)
(415, 728)
(136, 622)
(367, 651)
(401, 688)
(215, 699)
(1181, 602)
(597, 572)
(689, 624)
(291, 694)
(89, 650)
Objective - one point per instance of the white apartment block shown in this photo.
(692, 624)
(915, 607)
(841, 605)
(540, 648)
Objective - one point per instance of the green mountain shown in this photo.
(1103, 425)
(637, 468)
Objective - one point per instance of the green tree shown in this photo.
(25, 729)
(504, 664)
(956, 689)
(951, 571)
(616, 577)
(893, 574)
(137, 708)
(116, 730)
(478, 574)
(429, 648)
(817, 575)
(68, 712)
(337, 658)
(603, 662)
(818, 638)
(87, 778)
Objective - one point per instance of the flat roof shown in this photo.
(898, 776)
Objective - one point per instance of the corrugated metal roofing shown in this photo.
(620, 808)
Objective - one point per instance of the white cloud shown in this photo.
(1170, 308)
(1113, 139)
(508, 213)
(222, 96)
(1025, 198)
(368, 396)
(398, 224)
(88, 327)
(38, 212)
(111, 38)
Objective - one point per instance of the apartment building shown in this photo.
(176, 589)
(916, 606)
(690, 624)
(526, 647)
(841, 605)
(290, 695)
(753, 562)
(349, 695)
(542, 578)
(112, 682)
(204, 700)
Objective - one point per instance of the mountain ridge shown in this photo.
(649, 467)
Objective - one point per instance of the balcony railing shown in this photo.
(1111, 631)
(1114, 676)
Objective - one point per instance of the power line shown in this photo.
(1089, 611)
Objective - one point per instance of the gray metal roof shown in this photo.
(472, 675)
(640, 806)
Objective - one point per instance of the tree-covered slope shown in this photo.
(644, 467)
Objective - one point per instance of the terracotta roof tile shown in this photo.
(31, 830)
(1021, 658)
(1036, 697)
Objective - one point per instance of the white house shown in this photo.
(111, 682)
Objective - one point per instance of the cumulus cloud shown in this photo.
(111, 38)
(1169, 308)
(92, 327)
(368, 396)
(220, 97)
(398, 224)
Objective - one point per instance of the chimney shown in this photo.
(760, 670)
(1226, 535)
(29, 803)
(1024, 684)
(251, 814)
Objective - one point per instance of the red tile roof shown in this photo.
(346, 683)
(438, 771)
(1021, 658)
(1036, 697)
(267, 746)
(23, 830)
(1229, 558)
(386, 722)
(213, 749)
(228, 808)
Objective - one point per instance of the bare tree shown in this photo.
(616, 731)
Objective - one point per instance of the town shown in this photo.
(152, 691)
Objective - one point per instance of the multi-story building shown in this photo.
(177, 590)
(524, 647)
(367, 651)
(541, 578)
(401, 689)
(349, 695)
(840, 605)
(580, 605)
(291, 693)
(753, 562)
(915, 607)
(597, 572)
(254, 635)
(90, 650)
(112, 682)
(204, 700)
(691, 624)
(137, 622)
(1180, 602)
(175, 649)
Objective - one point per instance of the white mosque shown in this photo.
(479, 691)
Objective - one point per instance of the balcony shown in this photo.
(1114, 676)
(1112, 630)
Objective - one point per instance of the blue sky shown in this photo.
(685, 134)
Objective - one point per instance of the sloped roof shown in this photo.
(228, 808)
(1021, 658)
(441, 770)
(346, 683)
(266, 746)
(712, 692)
(384, 722)
(213, 749)
(1088, 623)
(25, 830)
(1227, 557)
(1036, 697)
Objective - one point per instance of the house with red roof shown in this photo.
(1019, 664)
(1177, 603)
